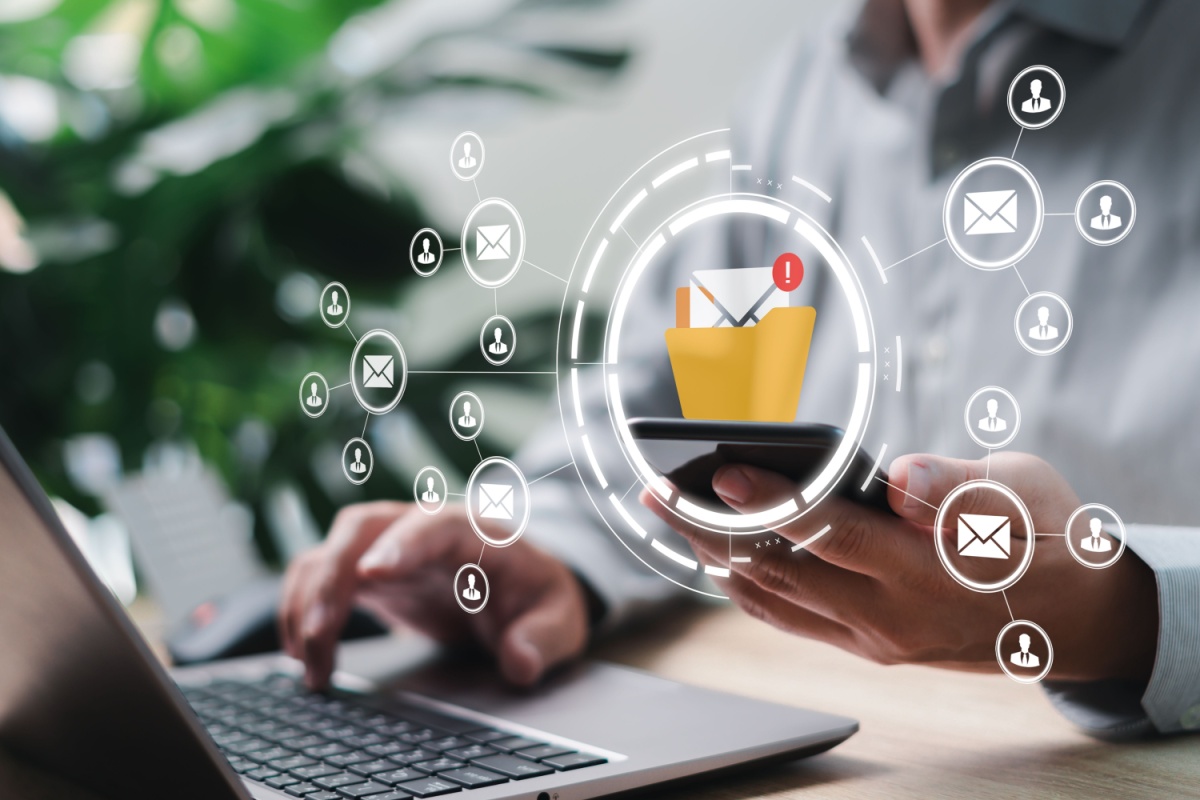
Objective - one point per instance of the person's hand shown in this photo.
(399, 563)
(873, 584)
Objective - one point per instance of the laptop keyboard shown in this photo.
(336, 746)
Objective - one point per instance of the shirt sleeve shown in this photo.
(1170, 701)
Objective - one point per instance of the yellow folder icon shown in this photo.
(750, 374)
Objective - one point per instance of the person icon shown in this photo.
(993, 423)
(333, 309)
(425, 257)
(1105, 220)
(1096, 543)
(467, 161)
(1036, 104)
(497, 348)
(1043, 331)
(466, 420)
(358, 467)
(429, 495)
(471, 593)
(1024, 658)
(313, 400)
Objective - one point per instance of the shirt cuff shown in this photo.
(1170, 702)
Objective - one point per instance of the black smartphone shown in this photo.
(689, 452)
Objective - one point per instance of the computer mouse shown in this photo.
(243, 623)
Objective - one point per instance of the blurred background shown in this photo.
(180, 178)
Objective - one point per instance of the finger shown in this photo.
(413, 543)
(289, 600)
(859, 539)
(329, 585)
(802, 580)
(917, 484)
(548, 633)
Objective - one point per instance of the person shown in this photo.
(1096, 543)
(466, 420)
(467, 161)
(1043, 331)
(497, 347)
(425, 256)
(429, 495)
(910, 92)
(358, 467)
(313, 400)
(1035, 103)
(1106, 220)
(1024, 658)
(471, 593)
(992, 423)
(334, 309)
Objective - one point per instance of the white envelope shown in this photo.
(990, 212)
(493, 242)
(379, 372)
(723, 298)
(984, 536)
(496, 501)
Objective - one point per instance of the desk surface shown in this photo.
(925, 733)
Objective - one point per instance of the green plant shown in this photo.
(182, 208)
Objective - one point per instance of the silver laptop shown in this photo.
(82, 697)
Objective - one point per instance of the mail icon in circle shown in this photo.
(990, 212)
(984, 536)
(493, 242)
(379, 372)
(496, 501)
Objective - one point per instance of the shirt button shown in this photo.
(1191, 718)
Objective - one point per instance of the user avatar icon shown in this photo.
(471, 593)
(1043, 331)
(1096, 543)
(1035, 103)
(334, 308)
(313, 400)
(425, 256)
(358, 467)
(467, 161)
(466, 420)
(1105, 220)
(1024, 658)
(993, 423)
(497, 347)
(429, 495)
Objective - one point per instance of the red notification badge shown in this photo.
(788, 272)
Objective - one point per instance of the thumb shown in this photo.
(546, 634)
(918, 483)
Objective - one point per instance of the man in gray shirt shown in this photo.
(883, 110)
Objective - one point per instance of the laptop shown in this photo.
(82, 697)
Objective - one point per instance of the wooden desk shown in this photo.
(925, 733)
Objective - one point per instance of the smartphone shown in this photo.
(689, 452)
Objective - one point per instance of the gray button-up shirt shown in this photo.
(1116, 410)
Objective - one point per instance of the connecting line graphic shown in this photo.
(548, 272)
(346, 325)
(496, 300)
(339, 386)
(365, 421)
(988, 470)
(1018, 144)
(478, 372)
(906, 494)
(630, 235)
(1004, 594)
(477, 194)
(480, 559)
(548, 474)
(635, 483)
(1022, 280)
(478, 452)
(914, 255)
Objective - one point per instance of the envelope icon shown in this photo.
(379, 372)
(496, 501)
(984, 536)
(990, 212)
(493, 242)
(733, 298)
